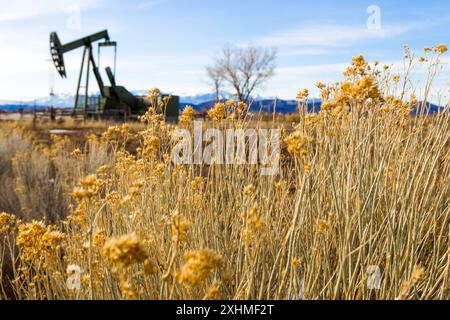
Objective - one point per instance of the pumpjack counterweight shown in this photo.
(113, 101)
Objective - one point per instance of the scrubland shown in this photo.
(363, 187)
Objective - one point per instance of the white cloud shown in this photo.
(312, 69)
(19, 10)
(303, 52)
(149, 4)
(329, 36)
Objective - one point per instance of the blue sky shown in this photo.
(168, 43)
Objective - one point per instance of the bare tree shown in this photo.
(216, 78)
(245, 69)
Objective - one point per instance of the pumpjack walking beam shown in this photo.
(58, 50)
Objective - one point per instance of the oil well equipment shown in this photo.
(112, 102)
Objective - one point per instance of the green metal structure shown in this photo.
(114, 102)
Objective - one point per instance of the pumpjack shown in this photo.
(113, 102)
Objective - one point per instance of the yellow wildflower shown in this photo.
(302, 94)
(187, 115)
(75, 153)
(124, 251)
(442, 48)
(7, 222)
(154, 92)
(217, 113)
(297, 143)
(249, 190)
(322, 226)
(179, 228)
(198, 266)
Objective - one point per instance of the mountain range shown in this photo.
(198, 102)
(66, 101)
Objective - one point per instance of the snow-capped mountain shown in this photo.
(4, 102)
(66, 100)
(200, 103)
(202, 98)
(193, 99)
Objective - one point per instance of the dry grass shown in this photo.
(370, 187)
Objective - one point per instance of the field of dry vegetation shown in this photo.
(358, 187)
